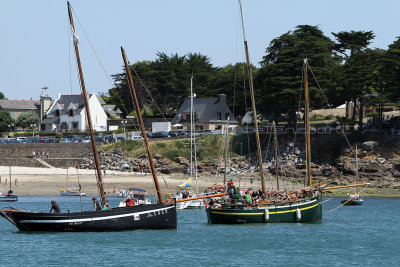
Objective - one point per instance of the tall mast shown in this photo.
(276, 157)
(226, 150)
(89, 119)
(356, 169)
(191, 127)
(307, 122)
(253, 103)
(193, 130)
(9, 168)
(153, 169)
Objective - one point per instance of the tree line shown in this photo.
(346, 70)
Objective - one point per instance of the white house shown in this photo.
(68, 113)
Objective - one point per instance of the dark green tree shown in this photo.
(25, 119)
(348, 45)
(5, 120)
(2, 96)
(279, 80)
(351, 42)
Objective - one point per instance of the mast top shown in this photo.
(243, 27)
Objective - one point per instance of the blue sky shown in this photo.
(35, 34)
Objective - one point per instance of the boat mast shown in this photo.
(276, 157)
(194, 137)
(253, 103)
(192, 140)
(153, 169)
(226, 150)
(307, 122)
(356, 169)
(89, 119)
(9, 167)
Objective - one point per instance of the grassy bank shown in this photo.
(209, 148)
(369, 192)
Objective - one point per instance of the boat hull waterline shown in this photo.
(152, 216)
(305, 212)
(8, 198)
(352, 202)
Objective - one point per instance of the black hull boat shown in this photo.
(151, 216)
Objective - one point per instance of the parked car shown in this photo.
(137, 138)
(160, 134)
(178, 133)
(86, 139)
(77, 139)
(44, 139)
(108, 139)
(65, 140)
(54, 140)
(207, 132)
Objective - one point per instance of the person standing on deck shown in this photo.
(96, 204)
(55, 207)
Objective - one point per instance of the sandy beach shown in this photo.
(48, 181)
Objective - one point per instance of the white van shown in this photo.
(137, 138)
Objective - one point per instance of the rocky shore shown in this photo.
(376, 166)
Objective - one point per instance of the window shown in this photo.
(199, 127)
(219, 116)
(71, 112)
(226, 116)
(218, 127)
(74, 125)
(57, 113)
(188, 117)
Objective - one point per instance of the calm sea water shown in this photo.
(365, 235)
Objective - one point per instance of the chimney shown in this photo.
(222, 98)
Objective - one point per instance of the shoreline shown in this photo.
(48, 181)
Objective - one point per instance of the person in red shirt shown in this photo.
(130, 202)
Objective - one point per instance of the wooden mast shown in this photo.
(307, 124)
(276, 157)
(89, 119)
(356, 169)
(253, 103)
(226, 151)
(153, 170)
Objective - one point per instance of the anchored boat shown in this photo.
(153, 216)
(302, 206)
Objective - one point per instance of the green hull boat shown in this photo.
(306, 211)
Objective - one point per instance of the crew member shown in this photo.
(55, 207)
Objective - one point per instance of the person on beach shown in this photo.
(16, 182)
(55, 207)
(96, 204)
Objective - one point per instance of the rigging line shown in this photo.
(340, 126)
(149, 94)
(344, 202)
(101, 64)
(300, 94)
(319, 86)
(69, 56)
(91, 45)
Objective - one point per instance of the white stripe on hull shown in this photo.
(95, 218)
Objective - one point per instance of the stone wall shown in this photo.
(55, 150)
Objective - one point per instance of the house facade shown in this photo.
(68, 113)
(209, 114)
(17, 107)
